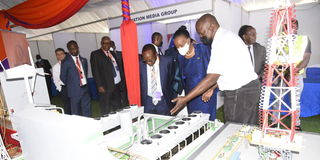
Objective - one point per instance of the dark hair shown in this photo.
(154, 35)
(38, 56)
(112, 43)
(148, 47)
(105, 37)
(182, 31)
(243, 30)
(59, 49)
(72, 42)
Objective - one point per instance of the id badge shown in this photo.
(157, 95)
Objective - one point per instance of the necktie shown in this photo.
(153, 85)
(250, 54)
(160, 52)
(79, 69)
(114, 64)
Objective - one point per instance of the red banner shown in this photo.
(41, 13)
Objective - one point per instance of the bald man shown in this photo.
(156, 76)
(106, 73)
(231, 68)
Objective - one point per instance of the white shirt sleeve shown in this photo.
(56, 76)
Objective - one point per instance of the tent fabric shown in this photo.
(94, 10)
(129, 42)
(36, 14)
(102, 9)
(4, 22)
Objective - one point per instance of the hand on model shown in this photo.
(180, 104)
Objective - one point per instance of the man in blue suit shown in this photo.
(74, 73)
(156, 76)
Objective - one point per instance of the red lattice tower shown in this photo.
(279, 76)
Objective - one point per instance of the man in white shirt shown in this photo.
(60, 54)
(230, 66)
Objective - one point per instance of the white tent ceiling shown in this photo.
(96, 10)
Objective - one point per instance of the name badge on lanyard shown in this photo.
(157, 95)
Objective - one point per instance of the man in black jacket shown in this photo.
(106, 73)
(45, 64)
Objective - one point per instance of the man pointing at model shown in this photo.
(231, 68)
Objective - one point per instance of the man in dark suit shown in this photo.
(156, 75)
(257, 52)
(177, 79)
(123, 86)
(45, 64)
(106, 73)
(74, 73)
(157, 42)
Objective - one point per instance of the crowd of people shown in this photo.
(223, 60)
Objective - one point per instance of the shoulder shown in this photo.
(201, 46)
(259, 46)
(165, 58)
(83, 59)
(56, 66)
(226, 33)
(169, 51)
(226, 37)
(118, 52)
(67, 59)
(96, 52)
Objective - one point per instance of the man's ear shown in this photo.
(244, 37)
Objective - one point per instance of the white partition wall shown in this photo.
(260, 20)
(46, 50)
(61, 39)
(144, 35)
(228, 15)
(115, 35)
(193, 31)
(34, 49)
(161, 28)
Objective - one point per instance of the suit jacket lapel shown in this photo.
(104, 54)
(256, 56)
(84, 65)
(144, 75)
(162, 74)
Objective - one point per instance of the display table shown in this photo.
(310, 150)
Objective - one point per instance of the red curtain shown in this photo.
(129, 42)
(40, 13)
